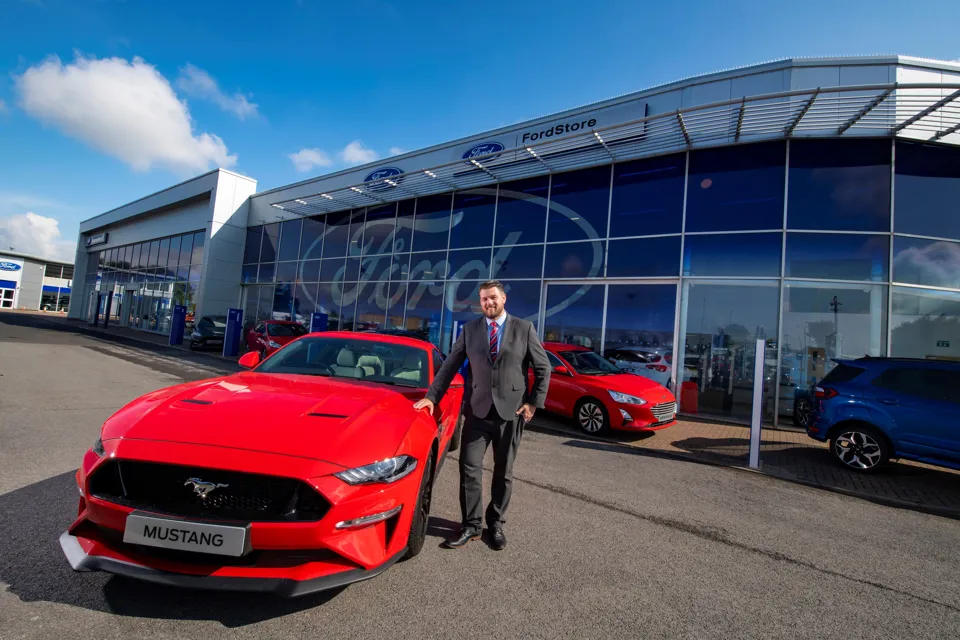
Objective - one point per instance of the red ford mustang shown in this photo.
(308, 472)
(601, 396)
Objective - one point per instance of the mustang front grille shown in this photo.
(213, 494)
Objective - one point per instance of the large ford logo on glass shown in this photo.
(483, 149)
(9, 266)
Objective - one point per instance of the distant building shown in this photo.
(35, 283)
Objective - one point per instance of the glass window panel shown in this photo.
(309, 271)
(432, 223)
(640, 320)
(927, 190)
(286, 271)
(723, 323)
(740, 254)
(164, 253)
(282, 301)
(328, 302)
(462, 304)
(736, 188)
(311, 238)
(375, 268)
(579, 203)
(186, 249)
(469, 264)
(267, 272)
(135, 257)
(428, 266)
(518, 262)
(338, 232)
(648, 196)
(925, 324)
(174, 256)
(816, 330)
(332, 269)
(574, 260)
(934, 263)
(405, 218)
(357, 218)
(837, 257)
(251, 248)
(249, 273)
(380, 230)
(839, 185)
(152, 259)
(250, 299)
(522, 210)
(574, 315)
(523, 298)
(396, 302)
(424, 309)
(352, 270)
(198, 240)
(644, 258)
(371, 305)
(183, 273)
(400, 268)
(195, 273)
(472, 223)
(268, 247)
(290, 240)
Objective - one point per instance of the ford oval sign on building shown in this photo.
(483, 149)
(382, 174)
(10, 266)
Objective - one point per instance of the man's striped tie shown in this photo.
(493, 341)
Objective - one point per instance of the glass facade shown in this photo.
(147, 279)
(799, 243)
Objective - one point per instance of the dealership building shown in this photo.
(811, 203)
(34, 283)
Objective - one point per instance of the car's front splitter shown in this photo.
(283, 587)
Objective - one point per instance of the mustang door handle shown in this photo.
(888, 401)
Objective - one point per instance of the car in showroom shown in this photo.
(873, 410)
(305, 471)
(269, 335)
(649, 362)
(208, 332)
(600, 396)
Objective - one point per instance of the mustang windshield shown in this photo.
(589, 363)
(394, 364)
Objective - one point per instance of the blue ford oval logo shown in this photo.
(381, 174)
(483, 149)
(9, 266)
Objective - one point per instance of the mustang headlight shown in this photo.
(98, 448)
(387, 471)
(623, 398)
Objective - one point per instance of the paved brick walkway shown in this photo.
(792, 455)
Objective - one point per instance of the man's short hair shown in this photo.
(490, 284)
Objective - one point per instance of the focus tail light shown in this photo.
(825, 393)
(657, 367)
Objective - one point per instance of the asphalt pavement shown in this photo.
(604, 541)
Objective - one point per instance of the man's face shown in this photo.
(492, 301)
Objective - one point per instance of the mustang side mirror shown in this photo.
(562, 370)
(249, 360)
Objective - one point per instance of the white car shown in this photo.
(650, 362)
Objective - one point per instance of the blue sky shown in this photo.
(104, 101)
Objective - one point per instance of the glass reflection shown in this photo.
(472, 224)
(639, 331)
(311, 238)
(522, 211)
(268, 246)
(644, 258)
(574, 315)
(933, 263)
(925, 324)
(380, 230)
(518, 262)
(523, 299)
(424, 310)
(927, 190)
(579, 203)
(837, 256)
(648, 196)
(290, 240)
(741, 254)
(432, 223)
(574, 260)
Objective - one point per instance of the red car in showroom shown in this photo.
(269, 335)
(602, 397)
(310, 471)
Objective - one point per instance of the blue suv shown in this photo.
(872, 410)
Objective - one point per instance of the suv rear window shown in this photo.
(841, 373)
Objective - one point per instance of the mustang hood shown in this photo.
(345, 423)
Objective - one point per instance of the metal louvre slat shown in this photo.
(890, 109)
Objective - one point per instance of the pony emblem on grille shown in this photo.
(203, 488)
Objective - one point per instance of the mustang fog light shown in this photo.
(365, 520)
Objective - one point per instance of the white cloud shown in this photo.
(396, 151)
(356, 153)
(196, 82)
(307, 159)
(125, 109)
(3, 106)
(36, 235)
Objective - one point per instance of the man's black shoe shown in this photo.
(461, 540)
(497, 540)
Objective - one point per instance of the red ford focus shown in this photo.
(601, 396)
(310, 471)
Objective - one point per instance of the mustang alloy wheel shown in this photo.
(591, 416)
(421, 517)
(860, 448)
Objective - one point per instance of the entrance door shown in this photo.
(632, 324)
(6, 298)
(128, 309)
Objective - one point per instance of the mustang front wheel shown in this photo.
(421, 518)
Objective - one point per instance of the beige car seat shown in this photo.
(410, 369)
(371, 365)
(346, 366)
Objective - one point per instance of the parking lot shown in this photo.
(605, 540)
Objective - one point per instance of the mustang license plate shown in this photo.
(185, 535)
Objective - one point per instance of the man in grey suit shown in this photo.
(500, 349)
